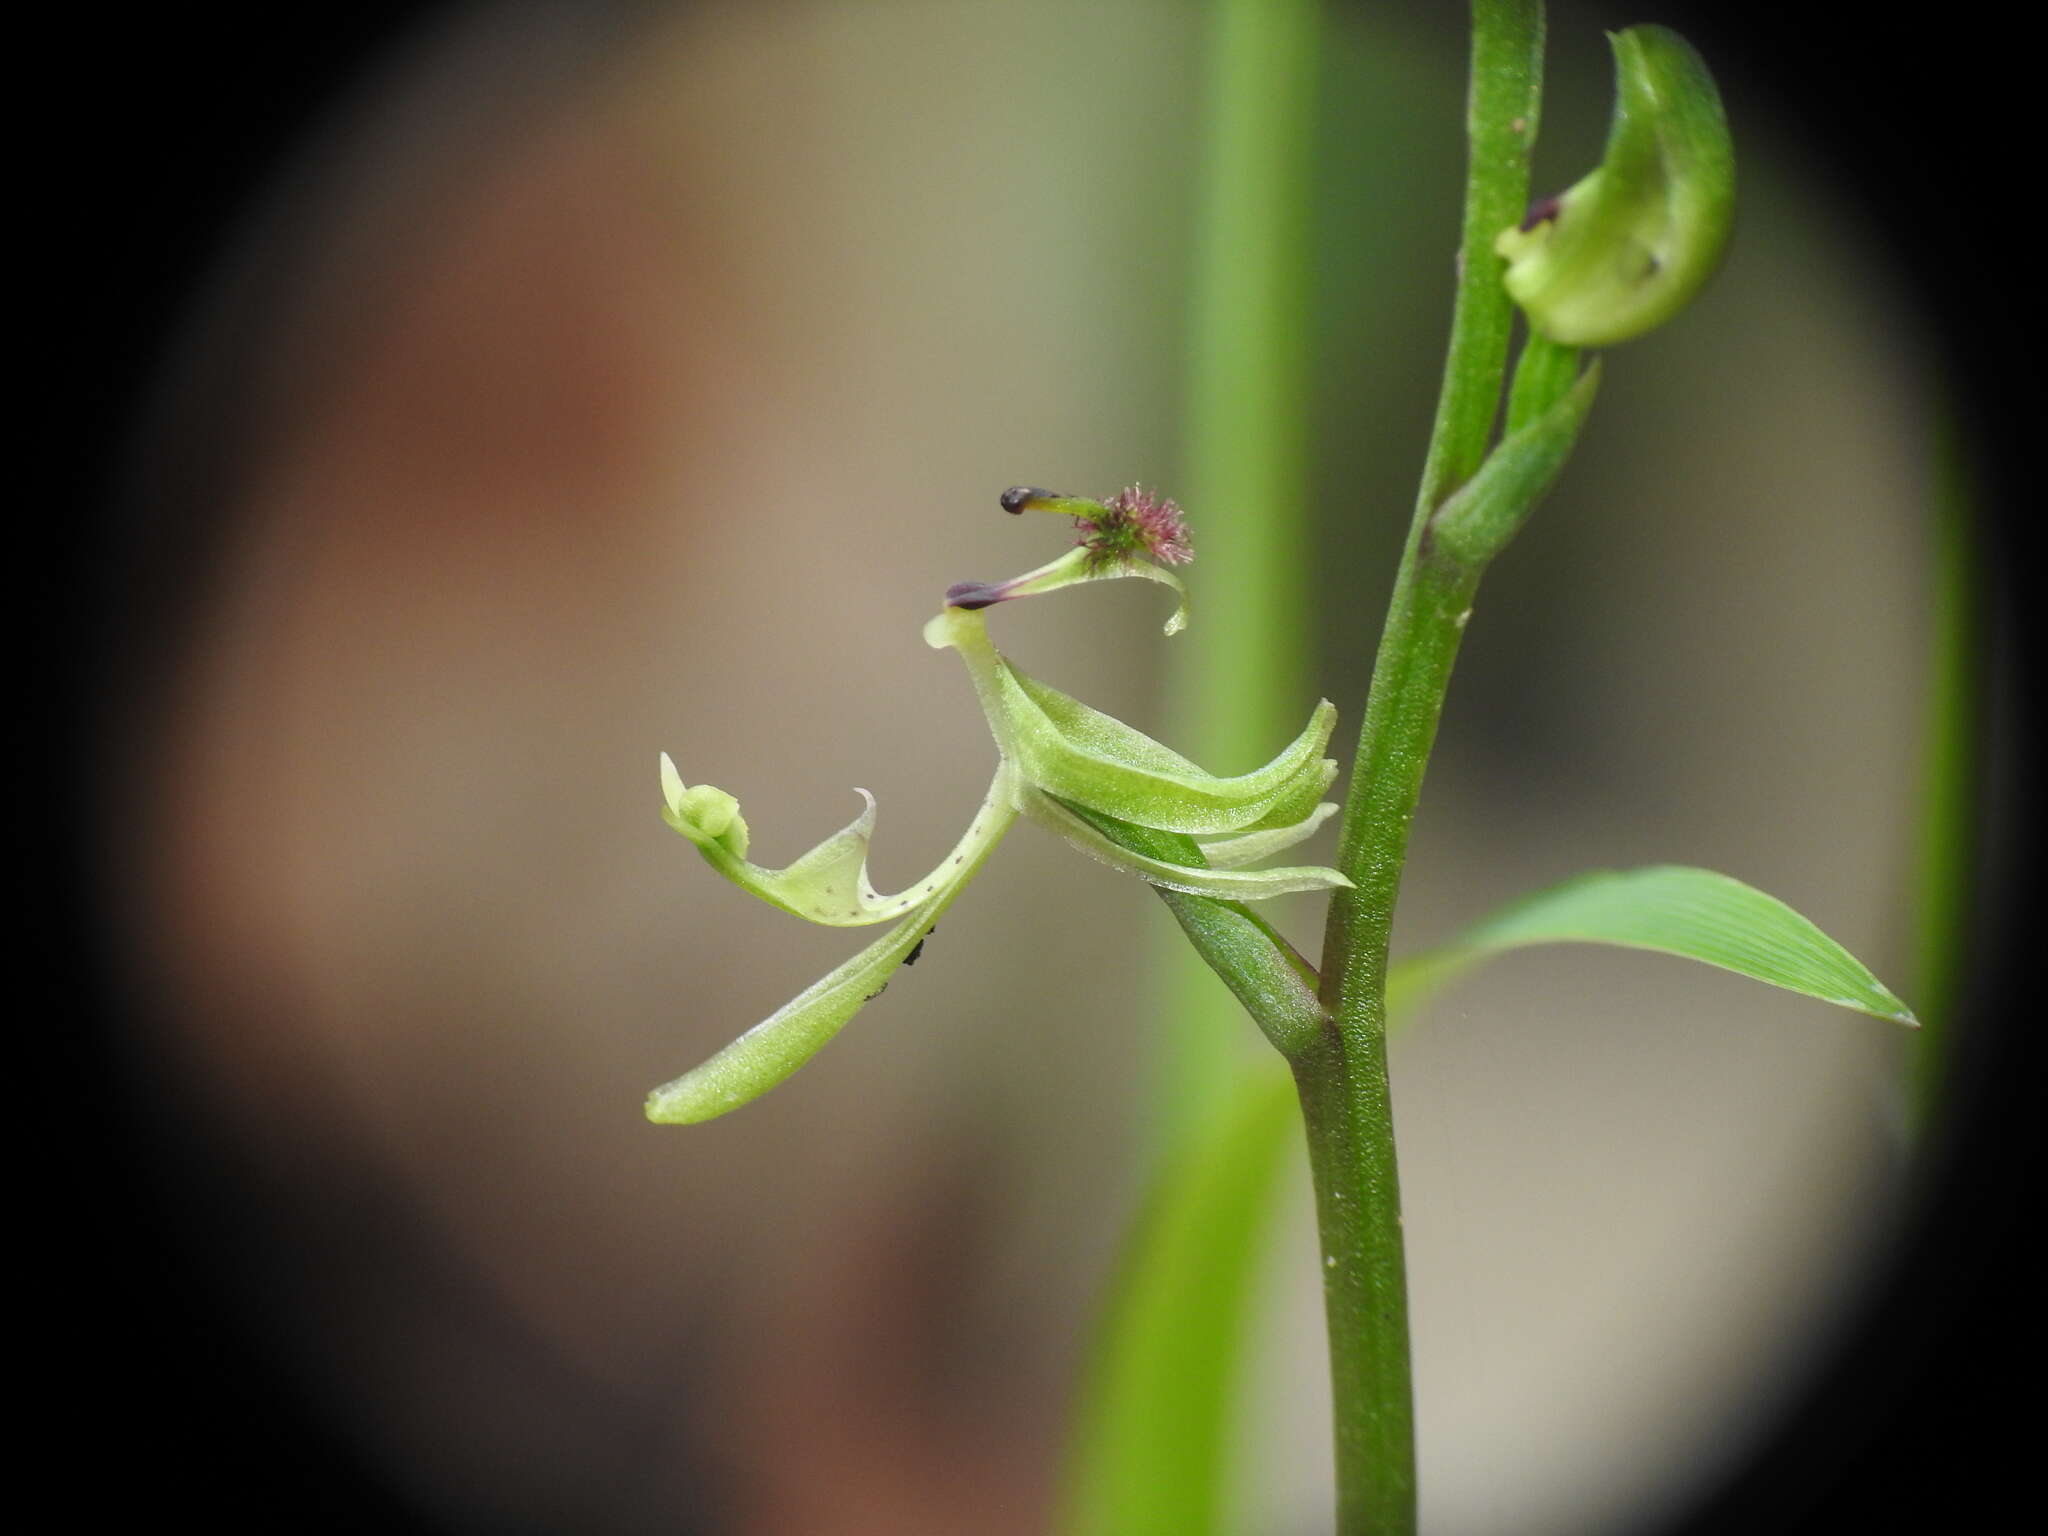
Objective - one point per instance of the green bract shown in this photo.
(1629, 245)
(1058, 763)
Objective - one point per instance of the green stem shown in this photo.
(1343, 1081)
(1544, 371)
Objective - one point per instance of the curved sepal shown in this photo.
(774, 1048)
(1238, 850)
(1080, 754)
(1223, 884)
(828, 885)
(1076, 566)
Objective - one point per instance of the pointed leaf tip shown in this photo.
(1696, 914)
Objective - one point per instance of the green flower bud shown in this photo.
(1628, 246)
(705, 814)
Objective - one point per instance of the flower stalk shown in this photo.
(1346, 1098)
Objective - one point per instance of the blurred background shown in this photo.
(598, 382)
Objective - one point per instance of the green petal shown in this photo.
(828, 885)
(1080, 754)
(1222, 884)
(1244, 848)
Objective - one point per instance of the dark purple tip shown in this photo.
(1018, 497)
(1542, 211)
(973, 594)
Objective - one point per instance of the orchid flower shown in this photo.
(1058, 763)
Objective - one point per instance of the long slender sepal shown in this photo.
(1220, 884)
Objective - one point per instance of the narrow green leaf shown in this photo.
(1154, 1420)
(1674, 910)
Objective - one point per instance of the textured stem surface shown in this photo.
(1345, 1096)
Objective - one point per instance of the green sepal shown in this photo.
(1221, 884)
(769, 1052)
(1075, 567)
(1239, 849)
(828, 885)
(1629, 245)
(1294, 805)
(1079, 754)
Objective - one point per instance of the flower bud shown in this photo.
(1628, 246)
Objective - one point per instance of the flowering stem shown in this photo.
(1343, 1081)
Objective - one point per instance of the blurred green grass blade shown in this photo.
(1238, 679)
(1158, 1407)
(1674, 910)
(1150, 1444)
(1945, 855)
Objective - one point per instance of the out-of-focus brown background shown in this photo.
(640, 386)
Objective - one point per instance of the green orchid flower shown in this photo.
(1058, 763)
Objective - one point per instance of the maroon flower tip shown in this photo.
(1018, 497)
(975, 594)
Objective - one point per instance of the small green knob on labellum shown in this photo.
(1628, 246)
